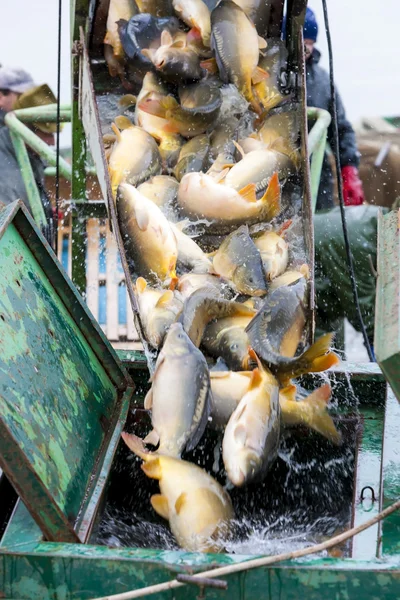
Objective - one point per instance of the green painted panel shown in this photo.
(391, 474)
(59, 400)
(92, 573)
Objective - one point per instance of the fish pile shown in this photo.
(197, 171)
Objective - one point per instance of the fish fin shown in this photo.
(109, 138)
(249, 302)
(148, 400)
(152, 468)
(127, 101)
(289, 392)
(180, 502)
(135, 444)
(142, 219)
(149, 53)
(181, 225)
(323, 363)
(170, 127)
(262, 44)
(319, 348)
(123, 122)
(317, 417)
(246, 362)
(198, 433)
(166, 38)
(152, 438)
(174, 280)
(220, 176)
(272, 196)
(160, 504)
(259, 75)
(165, 299)
(116, 131)
(252, 354)
(141, 285)
(305, 270)
(210, 65)
(211, 254)
(107, 154)
(249, 192)
(239, 148)
(256, 379)
(240, 434)
(284, 227)
(193, 36)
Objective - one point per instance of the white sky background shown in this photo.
(364, 33)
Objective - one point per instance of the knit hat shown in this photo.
(15, 80)
(310, 28)
(38, 96)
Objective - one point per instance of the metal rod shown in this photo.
(28, 178)
(257, 562)
(58, 127)
(38, 145)
(203, 581)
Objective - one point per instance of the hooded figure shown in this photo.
(319, 96)
(18, 90)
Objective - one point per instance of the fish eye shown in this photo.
(234, 346)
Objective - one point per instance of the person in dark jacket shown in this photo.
(319, 96)
(18, 90)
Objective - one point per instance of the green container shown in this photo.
(65, 398)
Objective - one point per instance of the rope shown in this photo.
(257, 562)
(349, 254)
(58, 129)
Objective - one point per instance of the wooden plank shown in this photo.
(92, 267)
(387, 307)
(112, 287)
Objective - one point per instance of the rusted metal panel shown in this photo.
(62, 385)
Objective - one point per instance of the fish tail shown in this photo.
(317, 417)
(318, 358)
(272, 197)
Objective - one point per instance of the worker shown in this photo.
(18, 90)
(319, 96)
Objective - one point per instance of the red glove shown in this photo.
(353, 193)
(60, 213)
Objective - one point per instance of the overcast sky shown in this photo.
(364, 33)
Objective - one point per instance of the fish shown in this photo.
(169, 144)
(146, 235)
(134, 157)
(158, 310)
(227, 338)
(162, 190)
(179, 120)
(201, 97)
(258, 12)
(195, 13)
(268, 90)
(118, 9)
(228, 388)
(198, 509)
(144, 31)
(239, 260)
(251, 439)
(202, 307)
(200, 196)
(157, 8)
(257, 167)
(236, 45)
(289, 277)
(311, 412)
(277, 329)
(280, 132)
(274, 252)
(193, 156)
(174, 59)
(189, 253)
(191, 282)
(180, 397)
(222, 138)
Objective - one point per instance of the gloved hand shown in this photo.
(353, 193)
